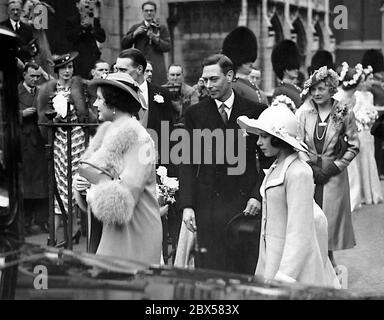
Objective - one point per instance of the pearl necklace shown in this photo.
(324, 132)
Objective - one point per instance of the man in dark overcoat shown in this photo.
(23, 30)
(84, 31)
(35, 166)
(152, 39)
(210, 194)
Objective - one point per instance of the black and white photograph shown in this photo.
(210, 151)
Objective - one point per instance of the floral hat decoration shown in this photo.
(359, 73)
(368, 71)
(320, 75)
(284, 100)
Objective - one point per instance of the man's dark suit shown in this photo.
(158, 112)
(215, 196)
(25, 32)
(84, 41)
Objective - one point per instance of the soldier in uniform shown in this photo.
(286, 65)
(243, 58)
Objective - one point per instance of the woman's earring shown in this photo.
(114, 113)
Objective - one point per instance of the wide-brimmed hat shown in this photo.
(321, 75)
(120, 80)
(62, 60)
(278, 121)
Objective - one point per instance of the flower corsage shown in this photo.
(158, 98)
(166, 187)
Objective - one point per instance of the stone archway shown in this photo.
(319, 34)
(301, 38)
(277, 28)
(198, 29)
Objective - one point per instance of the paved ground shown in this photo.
(365, 262)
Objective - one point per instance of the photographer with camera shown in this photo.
(182, 95)
(152, 39)
(83, 32)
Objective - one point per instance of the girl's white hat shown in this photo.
(278, 121)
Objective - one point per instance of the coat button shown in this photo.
(217, 194)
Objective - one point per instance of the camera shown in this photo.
(154, 27)
(89, 11)
(175, 91)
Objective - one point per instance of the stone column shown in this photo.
(310, 31)
(267, 43)
(287, 20)
(329, 39)
(382, 25)
(243, 18)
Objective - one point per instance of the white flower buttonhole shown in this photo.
(158, 98)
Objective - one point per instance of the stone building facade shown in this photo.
(364, 29)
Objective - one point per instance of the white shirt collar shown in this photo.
(228, 104)
(144, 91)
(29, 89)
(14, 23)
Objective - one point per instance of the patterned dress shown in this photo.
(60, 152)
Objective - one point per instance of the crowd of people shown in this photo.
(307, 152)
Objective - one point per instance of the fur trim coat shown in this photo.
(127, 205)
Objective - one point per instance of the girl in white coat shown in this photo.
(293, 243)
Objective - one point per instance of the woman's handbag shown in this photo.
(93, 173)
(377, 129)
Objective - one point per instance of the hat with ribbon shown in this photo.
(62, 60)
(277, 120)
(119, 80)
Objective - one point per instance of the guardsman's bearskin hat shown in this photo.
(285, 56)
(240, 45)
(320, 59)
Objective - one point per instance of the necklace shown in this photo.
(322, 124)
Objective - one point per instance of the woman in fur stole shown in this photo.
(124, 199)
(65, 88)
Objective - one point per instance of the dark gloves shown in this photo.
(318, 174)
(331, 170)
(322, 176)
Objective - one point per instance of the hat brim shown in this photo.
(252, 125)
(72, 56)
(93, 84)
